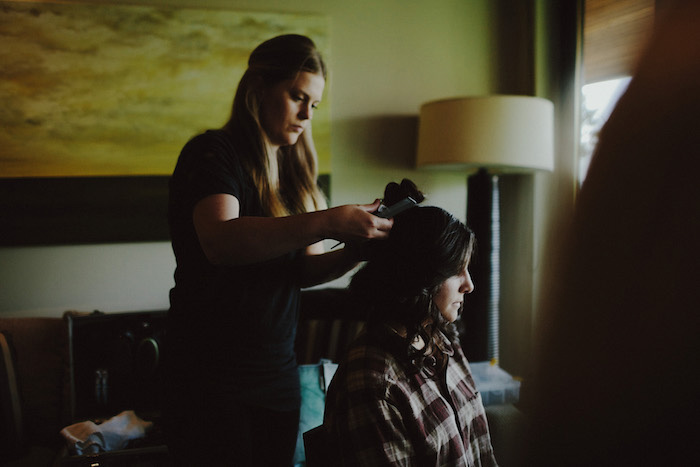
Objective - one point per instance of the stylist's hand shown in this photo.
(352, 223)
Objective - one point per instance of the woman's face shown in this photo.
(450, 295)
(288, 107)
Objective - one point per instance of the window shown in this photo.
(614, 34)
(598, 101)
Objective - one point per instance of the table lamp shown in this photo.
(486, 136)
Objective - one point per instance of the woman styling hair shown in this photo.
(405, 395)
(246, 220)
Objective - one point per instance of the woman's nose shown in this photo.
(306, 112)
(467, 283)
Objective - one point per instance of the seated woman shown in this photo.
(405, 395)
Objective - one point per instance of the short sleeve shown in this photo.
(209, 164)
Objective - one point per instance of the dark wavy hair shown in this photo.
(403, 273)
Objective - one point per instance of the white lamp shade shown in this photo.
(509, 133)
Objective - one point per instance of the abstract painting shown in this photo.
(90, 90)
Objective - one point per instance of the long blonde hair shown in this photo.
(285, 180)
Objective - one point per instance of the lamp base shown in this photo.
(480, 320)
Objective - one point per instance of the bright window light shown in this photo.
(598, 101)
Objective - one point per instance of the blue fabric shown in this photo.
(314, 380)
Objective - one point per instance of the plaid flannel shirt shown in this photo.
(378, 414)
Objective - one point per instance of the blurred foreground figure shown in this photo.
(618, 363)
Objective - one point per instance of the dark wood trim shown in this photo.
(83, 210)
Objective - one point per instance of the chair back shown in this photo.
(319, 447)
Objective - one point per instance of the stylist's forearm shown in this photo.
(247, 240)
(319, 269)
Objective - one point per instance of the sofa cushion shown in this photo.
(11, 429)
(42, 372)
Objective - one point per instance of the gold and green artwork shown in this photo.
(88, 90)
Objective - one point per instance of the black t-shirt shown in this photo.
(231, 329)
